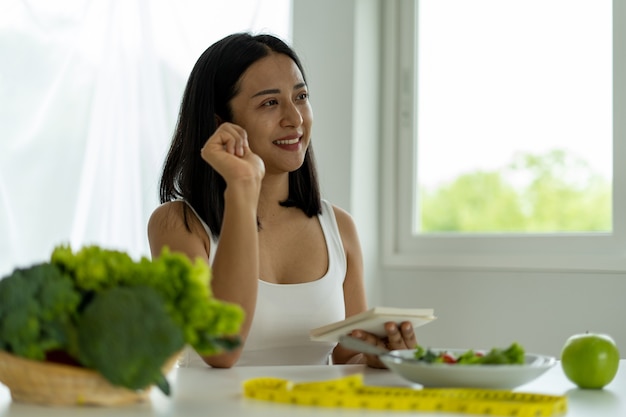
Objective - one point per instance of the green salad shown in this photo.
(513, 355)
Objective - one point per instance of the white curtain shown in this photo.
(89, 95)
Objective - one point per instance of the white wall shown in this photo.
(338, 42)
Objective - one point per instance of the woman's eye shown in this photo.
(303, 96)
(270, 103)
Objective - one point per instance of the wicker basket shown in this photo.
(50, 383)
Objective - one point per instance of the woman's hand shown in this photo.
(398, 337)
(228, 152)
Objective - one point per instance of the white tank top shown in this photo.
(285, 313)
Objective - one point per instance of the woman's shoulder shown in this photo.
(338, 212)
(167, 215)
(173, 224)
(344, 219)
(167, 220)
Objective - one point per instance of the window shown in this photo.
(440, 84)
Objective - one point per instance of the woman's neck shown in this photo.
(274, 189)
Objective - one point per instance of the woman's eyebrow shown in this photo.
(276, 90)
(266, 92)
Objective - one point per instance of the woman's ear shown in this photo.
(218, 121)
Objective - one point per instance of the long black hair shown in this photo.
(211, 86)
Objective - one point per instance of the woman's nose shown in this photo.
(292, 115)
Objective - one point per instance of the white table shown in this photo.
(217, 392)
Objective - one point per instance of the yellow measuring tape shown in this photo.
(350, 392)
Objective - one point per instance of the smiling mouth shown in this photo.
(287, 141)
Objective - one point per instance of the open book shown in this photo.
(372, 321)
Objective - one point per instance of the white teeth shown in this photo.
(287, 141)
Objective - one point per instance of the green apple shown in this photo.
(590, 360)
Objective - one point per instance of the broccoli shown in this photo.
(37, 305)
(126, 334)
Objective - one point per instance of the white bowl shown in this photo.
(466, 376)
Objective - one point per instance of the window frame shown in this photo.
(603, 252)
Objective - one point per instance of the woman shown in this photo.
(239, 190)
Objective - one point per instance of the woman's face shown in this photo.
(272, 105)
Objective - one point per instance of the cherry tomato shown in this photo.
(448, 358)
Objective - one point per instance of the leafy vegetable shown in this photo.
(207, 323)
(127, 335)
(107, 312)
(514, 354)
(37, 305)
